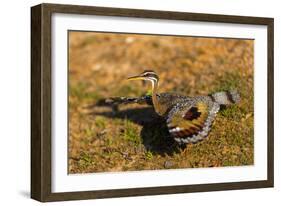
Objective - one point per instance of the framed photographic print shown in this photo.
(130, 102)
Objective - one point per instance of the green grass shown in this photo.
(85, 160)
(149, 155)
(100, 122)
(80, 92)
(130, 133)
(102, 140)
(229, 81)
(124, 147)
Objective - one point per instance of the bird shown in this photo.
(188, 119)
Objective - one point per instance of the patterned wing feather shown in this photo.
(191, 123)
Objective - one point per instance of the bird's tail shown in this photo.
(226, 97)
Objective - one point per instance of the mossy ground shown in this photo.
(134, 138)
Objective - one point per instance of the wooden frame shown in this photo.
(41, 102)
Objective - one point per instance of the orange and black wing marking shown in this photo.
(190, 123)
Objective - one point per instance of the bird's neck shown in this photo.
(157, 106)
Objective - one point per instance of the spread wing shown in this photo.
(127, 100)
(191, 123)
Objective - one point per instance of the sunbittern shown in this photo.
(189, 119)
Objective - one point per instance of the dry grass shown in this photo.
(133, 138)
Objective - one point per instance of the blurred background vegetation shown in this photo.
(134, 138)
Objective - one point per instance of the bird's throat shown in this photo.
(157, 106)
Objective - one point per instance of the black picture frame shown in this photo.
(41, 95)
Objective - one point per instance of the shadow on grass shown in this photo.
(154, 134)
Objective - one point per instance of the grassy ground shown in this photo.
(134, 138)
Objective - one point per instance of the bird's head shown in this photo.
(147, 75)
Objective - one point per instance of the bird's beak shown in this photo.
(135, 78)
